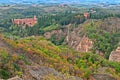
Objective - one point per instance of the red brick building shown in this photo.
(26, 21)
(86, 15)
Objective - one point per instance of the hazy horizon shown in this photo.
(61, 1)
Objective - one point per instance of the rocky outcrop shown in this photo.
(102, 77)
(74, 37)
(39, 72)
(43, 73)
(77, 40)
(79, 43)
(115, 55)
(14, 78)
(85, 45)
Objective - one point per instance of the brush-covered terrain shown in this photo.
(63, 45)
(41, 52)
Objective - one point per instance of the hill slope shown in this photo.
(65, 60)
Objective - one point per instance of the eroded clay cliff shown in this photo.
(74, 37)
(115, 55)
(85, 45)
(77, 37)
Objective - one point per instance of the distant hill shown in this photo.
(60, 1)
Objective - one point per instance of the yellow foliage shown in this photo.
(14, 57)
